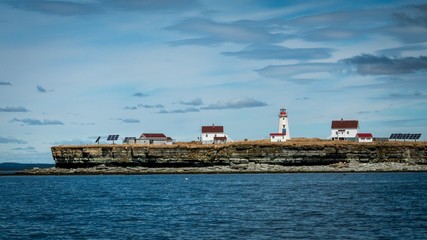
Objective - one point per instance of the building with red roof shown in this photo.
(364, 137)
(213, 135)
(344, 129)
(154, 138)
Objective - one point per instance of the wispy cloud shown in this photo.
(130, 108)
(157, 5)
(41, 89)
(68, 8)
(61, 8)
(367, 64)
(397, 52)
(14, 109)
(5, 84)
(415, 95)
(194, 102)
(6, 140)
(139, 94)
(269, 51)
(37, 122)
(27, 149)
(293, 72)
(235, 104)
(150, 106)
(187, 110)
(410, 24)
(129, 120)
(213, 32)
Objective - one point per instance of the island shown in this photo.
(263, 156)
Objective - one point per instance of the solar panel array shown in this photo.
(405, 136)
(112, 137)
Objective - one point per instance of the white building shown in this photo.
(344, 129)
(283, 133)
(154, 138)
(364, 137)
(213, 135)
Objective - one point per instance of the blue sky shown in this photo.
(71, 71)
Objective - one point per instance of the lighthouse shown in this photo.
(283, 133)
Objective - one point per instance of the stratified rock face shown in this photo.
(285, 154)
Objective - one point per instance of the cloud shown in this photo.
(367, 64)
(413, 15)
(194, 102)
(60, 8)
(5, 84)
(139, 94)
(212, 32)
(14, 109)
(41, 89)
(130, 108)
(187, 110)
(29, 121)
(129, 120)
(235, 104)
(11, 140)
(152, 5)
(396, 52)
(414, 95)
(268, 51)
(144, 106)
(29, 149)
(150, 106)
(68, 8)
(293, 72)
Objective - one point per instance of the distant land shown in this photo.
(11, 167)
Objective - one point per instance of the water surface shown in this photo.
(219, 206)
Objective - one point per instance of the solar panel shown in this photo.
(112, 137)
(405, 136)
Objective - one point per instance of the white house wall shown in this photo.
(278, 138)
(347, 133)
(208, 138)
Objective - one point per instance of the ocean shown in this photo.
(215, 206)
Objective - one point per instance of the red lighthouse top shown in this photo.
(283, 112)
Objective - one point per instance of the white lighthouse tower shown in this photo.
(283, 133)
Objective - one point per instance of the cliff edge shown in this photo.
(239, 154)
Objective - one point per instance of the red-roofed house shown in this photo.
(213, 134)
(344, 129)
(154, 138)
(364, 137)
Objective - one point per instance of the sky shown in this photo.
(71, 71)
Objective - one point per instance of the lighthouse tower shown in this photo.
(283, 133)
(284, 124)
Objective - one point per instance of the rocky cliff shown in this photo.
(291, 153)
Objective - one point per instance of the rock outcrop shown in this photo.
(240, 154)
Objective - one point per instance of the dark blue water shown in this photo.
(240, 206)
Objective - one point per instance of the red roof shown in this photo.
(153, 135)
(277, 134)
(364, 135)
(212, 129)
(345, 124)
